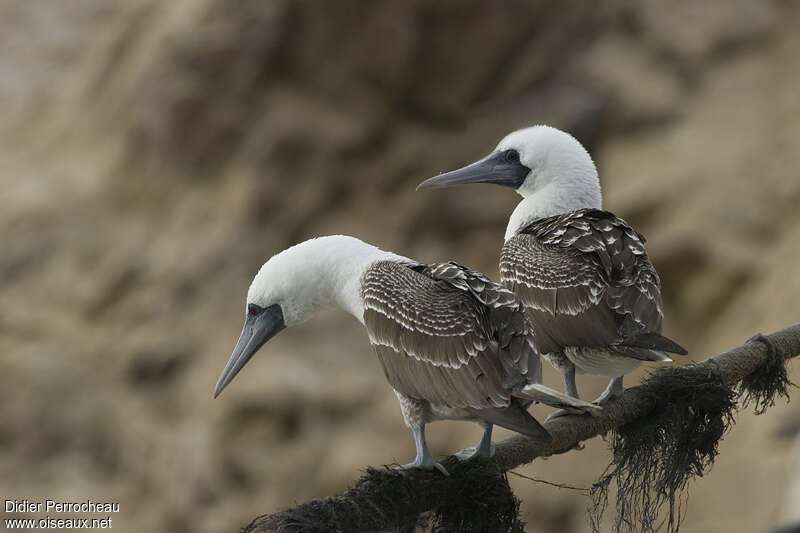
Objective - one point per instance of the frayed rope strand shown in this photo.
(770, 380)
(654, 456)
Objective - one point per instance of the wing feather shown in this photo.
(584, 278)
(447, 334)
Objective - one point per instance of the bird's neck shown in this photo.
(551, 200)
(345, 273)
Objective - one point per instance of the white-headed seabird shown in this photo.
(583, 274)
(453, 344)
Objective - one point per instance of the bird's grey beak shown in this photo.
(495, 168)
(260, 326)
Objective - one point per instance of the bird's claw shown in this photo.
(440, 468)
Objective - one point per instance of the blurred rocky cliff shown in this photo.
(153, 154)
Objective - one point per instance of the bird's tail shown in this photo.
(537, 392)
(653, 341)
(516, 418)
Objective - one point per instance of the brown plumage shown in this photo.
(449, 337)
(582, 273)
(590, 291)
(445, 334)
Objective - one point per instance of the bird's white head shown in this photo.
(295, 280)
(546, 166)
(296, 283)
(553, 157)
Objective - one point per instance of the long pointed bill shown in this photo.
(495, 168)
(258, 329)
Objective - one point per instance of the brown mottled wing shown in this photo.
(584, 278)
(446, 334)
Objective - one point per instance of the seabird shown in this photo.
(582, 273)
(453, 344)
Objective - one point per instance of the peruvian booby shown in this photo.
(583, 274)
(452, 343)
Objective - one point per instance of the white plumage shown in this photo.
(317, 274)
(562, 175)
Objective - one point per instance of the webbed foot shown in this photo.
(476, 452)
(425, 464)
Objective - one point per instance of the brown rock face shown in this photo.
(153, 154)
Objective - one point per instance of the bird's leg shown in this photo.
(424, 458)
(484, 449)
(571, 388)
(613, 390)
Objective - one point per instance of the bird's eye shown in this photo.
(512, 156)
(254, 310)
